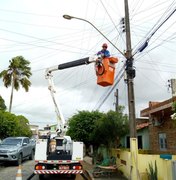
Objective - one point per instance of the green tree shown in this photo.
(173, 116)
(23, 126)
(18, 73)
(12, 125)
(8, 124)
(82, 124)
(110, 128)
(98, 128)
(2, 104)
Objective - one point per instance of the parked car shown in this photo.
(16, 149)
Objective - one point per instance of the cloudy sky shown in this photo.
(36, 30)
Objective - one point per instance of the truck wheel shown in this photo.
(73, 176)
(41, 177)
(19, 161)
(31, 157)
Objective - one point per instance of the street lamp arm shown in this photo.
(72, 17)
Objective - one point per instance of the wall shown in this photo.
(167, 127)
(164, 166)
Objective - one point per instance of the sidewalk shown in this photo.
(87, 164)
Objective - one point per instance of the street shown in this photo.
(8, 172)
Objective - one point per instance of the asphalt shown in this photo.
(89, 167)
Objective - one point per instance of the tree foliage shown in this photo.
(82, 124)
(2, 104)
(110, 128)
(12, 125)
(17, 73)
(98, 128)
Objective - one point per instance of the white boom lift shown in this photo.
(59, 154)
(48, 75)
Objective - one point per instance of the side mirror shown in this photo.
(24, 144)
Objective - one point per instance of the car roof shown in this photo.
(16, 137)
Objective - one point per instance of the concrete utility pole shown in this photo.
(116, 94)
(130, 72)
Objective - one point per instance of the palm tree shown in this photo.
(18, 73)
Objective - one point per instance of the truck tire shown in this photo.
(20, 159)
(41, 177)
(73, 176)
(31, 156)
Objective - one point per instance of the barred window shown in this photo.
(162, 141)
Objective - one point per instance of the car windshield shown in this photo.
(12, 142)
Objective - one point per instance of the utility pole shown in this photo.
(116, 94)
(130, 72)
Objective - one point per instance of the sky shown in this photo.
(36, 30)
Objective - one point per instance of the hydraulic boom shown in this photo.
(48, 75)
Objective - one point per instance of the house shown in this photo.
(142, 127)
(48, 130)
(52, 128)
(35, 130)
(162, 129)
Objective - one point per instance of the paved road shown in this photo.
(8, 172)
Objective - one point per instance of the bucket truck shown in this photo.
(59, 154)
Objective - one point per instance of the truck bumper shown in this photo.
(58, 171)
(8, 157)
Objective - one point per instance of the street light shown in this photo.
(68, 17)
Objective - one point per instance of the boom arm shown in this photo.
(78, 62)
(48, 75)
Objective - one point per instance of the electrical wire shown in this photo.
(104, 99)
(153, 33)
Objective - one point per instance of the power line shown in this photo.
(145, 44)
(141, 49)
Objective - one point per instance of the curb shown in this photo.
(90, 175)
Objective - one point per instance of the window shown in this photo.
(162, 141)
(26, 140)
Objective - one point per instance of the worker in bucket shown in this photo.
(99, 66)
(104, 52)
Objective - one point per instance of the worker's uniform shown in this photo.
(104, 53)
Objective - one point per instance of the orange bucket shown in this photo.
(105, 72)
